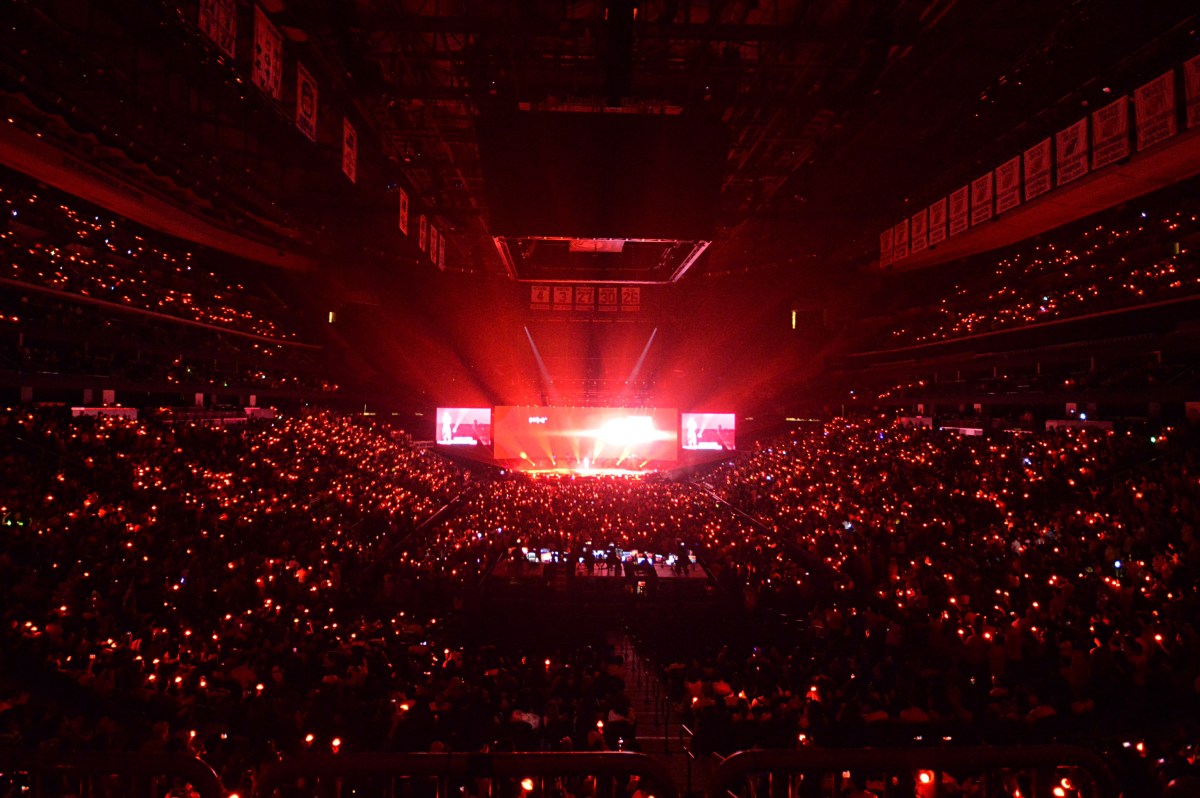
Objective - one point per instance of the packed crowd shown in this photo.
(298, 585)
(54, 242)
(1137, 255)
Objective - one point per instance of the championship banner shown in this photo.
(306, 102)
(920, 231)
(1110, 133)
(349, 150)
(900, 241)
(218, 20)
(1154, 108)
(268, 56)
(608, 298)
(631, 298)
(433, 243)
(404, 211)
(937, 222)
(422, 232)
(562, 297)
(1071, 149)
(1037, 169)
(539, 297)
(585, 297)
(441, 253)
(959, 202)
(1191, 91)
(885, 248)
(1008, 185)
(981, 199)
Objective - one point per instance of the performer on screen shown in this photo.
(692, 441)
(447, 428)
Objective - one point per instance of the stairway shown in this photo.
(658, 727)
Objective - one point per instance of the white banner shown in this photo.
(423, 232)
(1008, 185)
(268, 56)
(960, 202)
(1037, 169)
(585, 297)
(920, 231)
(1071, 152)
(1191, 91)
(885, 247)
(1154, 107)
(306, 102)
(441, 253)
(539, 297)
(562, 297)
(937, 222)
(218, 20)
(900, 241)
(981, 199)
(1110, 133)
(631, 298)
(349, 150)
(433, 242)
(608, 298)
(404, 211)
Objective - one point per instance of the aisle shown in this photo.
(658, 728)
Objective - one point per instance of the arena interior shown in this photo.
(599, 398)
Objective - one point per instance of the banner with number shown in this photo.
(631, 298)
(562, 297)
(306, 102)
(1191, 91)
(268, 56)
(1071, 152)
(1110, 133)
(938, 216)
(349, 150)
(900, 241)
(433, 242)
(885, 247)
(423, 233)
(404, 211)
(1008, 185)
(920, 231)
(1154, 107)
(218, 20)
(441, 253)
(981, 199)
(608, 298)
(1037, 169)
(539, 297)
(960, 202)
(585, 297)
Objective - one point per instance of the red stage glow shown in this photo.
(583, 440)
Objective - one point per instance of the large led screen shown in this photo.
(579, 436)
(464, 426)
(708, 431)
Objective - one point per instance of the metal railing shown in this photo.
(480, 775)
(1043, 770)
(125, 775)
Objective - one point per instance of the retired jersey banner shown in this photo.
(981, 199)
(900, 241)
(218, 20)
(585, 297)
(562, 297)
(959, 206)
(306, 102)
(433, 243)
(1191, 91)
(1110, 133)
(1008, 185)
(539, 297)
(937, 222)
(885, 247)
(608, 298)
(423, 233)
(349, 150)
(404, 211)
(1154, 108)
(631, 298)
(1071, 152)
(441, 253)
(1037, 169)
(920, 231)
(268, 56)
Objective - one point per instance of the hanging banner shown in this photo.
(981, 199)
(562, 297)
(404, 211)
(937, 222)
(585, 297)
(1071, 151)
(920, 231)
(218, 20)
(349, 150)
(268, 56)
(539, 297)
(608, 298)
(433, 243)
(631, 298)
(900, 241)
(1110, 133)
(1191, 91)
(441, 253)
(959, 203)
(1036, 160)
(1154, 107)
(423, 232)
(306, 102)
(1008, 185)
(885, 247)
